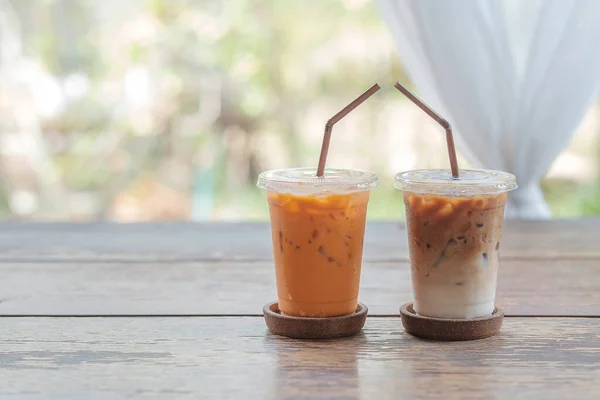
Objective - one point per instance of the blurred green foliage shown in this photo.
(181, 98)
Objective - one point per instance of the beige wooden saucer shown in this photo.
(450, 329)
(314, 328)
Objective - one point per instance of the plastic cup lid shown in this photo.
(304, 180)
(471, 182)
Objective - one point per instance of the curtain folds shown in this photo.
(515, 78)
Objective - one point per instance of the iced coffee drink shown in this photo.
(454, 232)
(318, 226)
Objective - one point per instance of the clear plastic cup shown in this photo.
(318, 226)
(454, 233)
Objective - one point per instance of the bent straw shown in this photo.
(329, 125)
(443, 122)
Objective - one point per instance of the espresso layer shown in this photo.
(454, 244)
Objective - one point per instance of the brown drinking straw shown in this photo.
(443, 122)
(329, 125)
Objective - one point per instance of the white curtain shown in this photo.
(514, 77)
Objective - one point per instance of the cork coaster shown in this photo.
(314, 328)
(450, 329)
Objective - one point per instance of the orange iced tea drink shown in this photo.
(318, 227)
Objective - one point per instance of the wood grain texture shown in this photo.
(218, 358)
(525, 288)
(384, 241)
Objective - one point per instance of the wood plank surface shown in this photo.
(219, 358)
(183, 241)
(525, 288)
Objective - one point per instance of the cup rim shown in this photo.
(304, 180)
(471, 182)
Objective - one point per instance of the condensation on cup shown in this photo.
(318, 226)
(454, 234)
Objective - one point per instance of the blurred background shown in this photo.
(140, 110)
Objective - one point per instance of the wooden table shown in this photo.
(94, 311)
